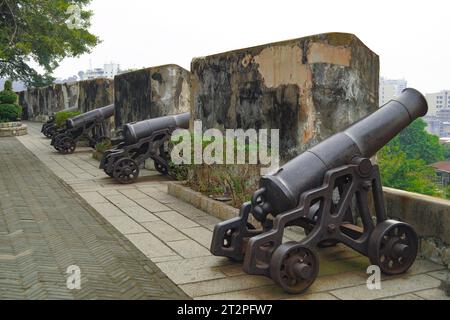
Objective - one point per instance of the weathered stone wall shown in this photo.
(430, 216)
(95, 93)
(151, 93)
(39, 103)
(309, 88)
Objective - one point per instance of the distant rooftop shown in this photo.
(442, 166)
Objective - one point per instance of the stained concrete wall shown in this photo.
(95, 93)
(39, 103)
(430, 216)
(309, 88)
(151, 93)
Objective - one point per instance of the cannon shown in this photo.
(140, 141)
(49, 127)
(334, 192)
(90, 125)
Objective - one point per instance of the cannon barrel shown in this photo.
(100, 113)
(133, 132)
(281, 191)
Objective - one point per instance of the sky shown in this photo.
(411, 37)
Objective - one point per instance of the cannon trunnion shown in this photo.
(140, 141)
(90, 125)
(326, 191)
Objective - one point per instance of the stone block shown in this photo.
(151, 93)
(309, 88)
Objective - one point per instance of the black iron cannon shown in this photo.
(90, 125)
(49, 127)
(325, 191)
(140, 141)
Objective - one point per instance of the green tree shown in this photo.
(404, 162)
(36, 32)
(400, 172)
(9, 109)
(417, 143)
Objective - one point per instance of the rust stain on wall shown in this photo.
(282, 65)
(324, 53)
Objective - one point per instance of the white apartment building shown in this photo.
(390, 89)
(110, 70)
(437, 101)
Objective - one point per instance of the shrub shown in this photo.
(8, 85)
(8, 97)
(62, 116)
(10, 112)
(103, 146)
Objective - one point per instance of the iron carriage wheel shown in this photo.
(107, 157)
(66, 145)
(294, 267)
(393, 246)
(126, 170)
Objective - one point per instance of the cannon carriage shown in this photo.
(49, 127)
(325, 191)
(140, 141)
(90, 125)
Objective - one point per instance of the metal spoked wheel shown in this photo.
(393, 246)
(49, 131)
(294, 267)
(56, 139)
(126, 171)
(66, 145)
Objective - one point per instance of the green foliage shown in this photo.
(404, 162)
(8, 97)
(417, 143)
(447, 193)
(103, 146)
(397, 171)
(62, 116)
(8, 85)
(36, 31)
(10, 112)
(446, 148)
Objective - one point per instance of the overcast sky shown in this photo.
(412, 38)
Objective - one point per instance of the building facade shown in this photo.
(390, 89)
(437, 101)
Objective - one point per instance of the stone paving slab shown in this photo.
(46, 227)
(176, 237)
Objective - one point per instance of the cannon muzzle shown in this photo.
(99, 114)
(281, 191)
(133, 132)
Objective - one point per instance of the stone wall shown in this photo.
(151, 93)
(429, 216)
(39, 103)
(95, 93)
(309, 88)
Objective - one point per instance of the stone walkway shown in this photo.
(176, 237)
(45, 227)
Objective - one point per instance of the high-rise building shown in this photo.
(438, 116)
(390, 89)
(437, 101)
(110, 70)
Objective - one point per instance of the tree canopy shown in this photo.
(404, 162)
(43, 32)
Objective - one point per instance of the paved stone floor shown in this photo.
(45, 228)
(176, 237)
